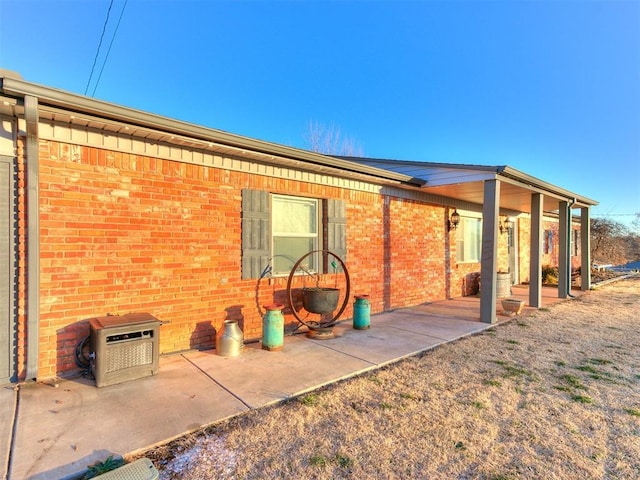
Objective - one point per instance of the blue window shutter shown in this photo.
(256, 232)
(336, 227)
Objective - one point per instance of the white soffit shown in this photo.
(466, 182)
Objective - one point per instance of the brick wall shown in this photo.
(125, 233)
(524, 252)
(549, 258)
(464, 276)
(503, 250)
(121, 233)
(416, 246)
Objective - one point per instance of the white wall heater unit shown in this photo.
(124, 347)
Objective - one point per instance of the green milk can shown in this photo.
(361, 312)
(273, 328)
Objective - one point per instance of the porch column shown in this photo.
(585, 249)
(33, 237)
(489, 259)
(564, 274)
(535, 252)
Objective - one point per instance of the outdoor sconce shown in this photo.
(453, 222)
(504, 225)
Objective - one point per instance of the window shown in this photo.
(548, 241)
(294, 232)
(277, 230)
(469, 240)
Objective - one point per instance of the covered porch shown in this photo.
(492, 191)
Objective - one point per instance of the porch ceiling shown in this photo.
(465, 182)
(513, 197)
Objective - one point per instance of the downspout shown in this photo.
(33, 236)
(571, 203)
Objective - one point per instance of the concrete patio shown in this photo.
(55, 430)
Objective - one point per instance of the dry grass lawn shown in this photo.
(553, 395)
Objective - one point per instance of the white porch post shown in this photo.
(585, 249)
(563, 251)
(489, 259)
(535, 252)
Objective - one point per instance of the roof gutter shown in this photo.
(98, 108)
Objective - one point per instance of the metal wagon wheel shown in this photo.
(322, 324)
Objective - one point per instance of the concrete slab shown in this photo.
(8, 399)
(379, 344)
(441, 327)
(260, 377)
(464, 308)
(60, 431)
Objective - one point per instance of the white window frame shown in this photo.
(463, 239)
(313, 260)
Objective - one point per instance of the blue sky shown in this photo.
(551, 88)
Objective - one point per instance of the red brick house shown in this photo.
(106, 209)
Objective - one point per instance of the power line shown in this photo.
(95, 59)
(110, 45)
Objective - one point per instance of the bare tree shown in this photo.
(633, 240)
(608, 239)
(329, 140)
(635, 224)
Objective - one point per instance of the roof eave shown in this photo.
(78, 103)
(491, 172)
(531, 181)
